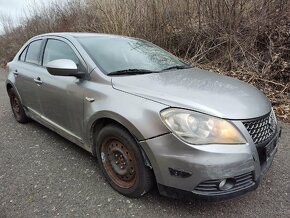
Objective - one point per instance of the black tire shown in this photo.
(115, 144)
(16, 107)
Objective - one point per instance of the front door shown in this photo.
(61, 97)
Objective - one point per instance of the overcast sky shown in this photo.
(16, 8)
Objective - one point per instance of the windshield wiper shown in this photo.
(178, 67)
(144, 71)
(130, 72)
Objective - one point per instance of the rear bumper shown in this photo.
(184, 170)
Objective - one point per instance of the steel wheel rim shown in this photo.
(15, 105)
(119, 163)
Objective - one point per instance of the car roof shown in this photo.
(80, 34)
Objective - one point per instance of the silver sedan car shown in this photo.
(147, 116)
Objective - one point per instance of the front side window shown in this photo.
(56, 49)
(33, 53)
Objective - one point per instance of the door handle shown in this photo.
(38, 81)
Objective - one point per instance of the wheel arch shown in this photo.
(10, 85)
(112, 118)
(104, 118)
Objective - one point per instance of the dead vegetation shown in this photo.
(247, 39)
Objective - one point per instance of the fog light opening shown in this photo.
(227, 184)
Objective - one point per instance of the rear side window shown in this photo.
(33, 53)
(23, 54)
(56, 49)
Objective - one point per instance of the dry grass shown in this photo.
(248, 39)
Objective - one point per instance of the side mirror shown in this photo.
(63, 67)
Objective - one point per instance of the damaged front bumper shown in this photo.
(207, 171)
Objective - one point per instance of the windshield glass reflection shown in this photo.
(121, 53)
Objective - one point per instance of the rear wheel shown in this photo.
(122, 162)
(16, 107)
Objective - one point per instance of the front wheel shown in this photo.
(122, 162)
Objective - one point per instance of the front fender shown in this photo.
(117, 118)
(138, 115)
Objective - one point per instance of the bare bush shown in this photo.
(249, 39)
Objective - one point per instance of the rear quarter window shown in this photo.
(33, 52)
(23, 54)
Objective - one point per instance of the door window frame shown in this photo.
(67, 42)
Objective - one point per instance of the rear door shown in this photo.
(27, 74)
(61, 97)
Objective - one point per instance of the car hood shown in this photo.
(198, 90)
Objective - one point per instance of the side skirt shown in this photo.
(57, 129)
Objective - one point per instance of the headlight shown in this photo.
(196, 128)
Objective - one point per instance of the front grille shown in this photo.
(212, 186)
(262, 129)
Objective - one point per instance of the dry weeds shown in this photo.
(247, 39)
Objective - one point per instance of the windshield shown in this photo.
(114, 54)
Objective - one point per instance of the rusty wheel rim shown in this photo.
(119, 163)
